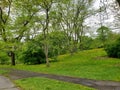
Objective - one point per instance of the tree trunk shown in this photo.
(12, 58)
(46, 55)
(118, 2)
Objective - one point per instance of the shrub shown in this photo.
(32, 55)
(113, 49)
(4, 59)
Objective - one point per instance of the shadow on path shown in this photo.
(97, 84)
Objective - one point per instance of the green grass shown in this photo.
(3, 72)
(91, 64)
(48, 84)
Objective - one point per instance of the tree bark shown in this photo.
(12, 58)
(118, 2)
(46, 55)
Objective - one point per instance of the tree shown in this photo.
(44, 21)
(4, 23)
(24, 20)
(103, 33)
(15, 21)
(73, 13)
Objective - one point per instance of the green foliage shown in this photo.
(4, 59)
(113, 49)
(4, 72)
(32, 54)
(86, 43)
(58, 45)
(103, 33)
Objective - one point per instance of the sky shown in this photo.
(107, 18)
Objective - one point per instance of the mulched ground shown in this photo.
(97, 84)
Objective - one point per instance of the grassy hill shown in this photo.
(91, 64)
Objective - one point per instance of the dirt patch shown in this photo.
(97, 84)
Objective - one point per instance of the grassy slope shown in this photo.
(86, 64)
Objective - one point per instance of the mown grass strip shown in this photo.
(48, 84)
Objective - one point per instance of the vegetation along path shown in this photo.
(99, 85)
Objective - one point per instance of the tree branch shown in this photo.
(1, 15)
(24, 25)
(9, 10)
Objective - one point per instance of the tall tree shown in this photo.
(43, 22)
(73, 13)
(4, 24)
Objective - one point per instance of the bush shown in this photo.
(113, 49)
(4, 59)
(33, 55)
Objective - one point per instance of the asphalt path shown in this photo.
(14, 74)
(6, 84)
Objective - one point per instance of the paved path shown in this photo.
(97, 84)
(100, 85)
(6, 84)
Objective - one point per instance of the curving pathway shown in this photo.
(6, 84)
(97, 84)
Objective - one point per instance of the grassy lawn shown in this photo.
(48, 84)
(91, 64)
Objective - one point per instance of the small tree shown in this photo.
(103, 34)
